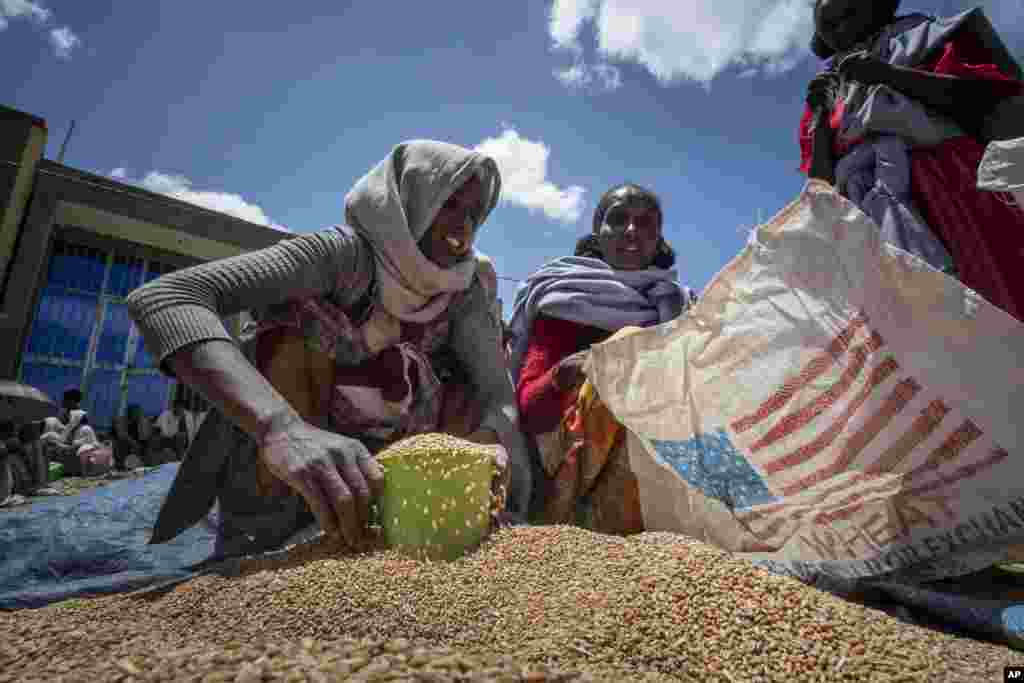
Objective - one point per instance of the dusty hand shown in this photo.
(821, 91)
(864, 68)
(570, 373)
(336, 475)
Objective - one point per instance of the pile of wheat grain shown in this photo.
(530, 603)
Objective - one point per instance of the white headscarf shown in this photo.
(393, 206)
(81, 436)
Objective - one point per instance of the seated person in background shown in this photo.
(52, 435)
(77, 447)
(619, 278)
(54, 428)
(72, 400)
(33, 454)
(176, 428)
(133, 436)
(21, 468)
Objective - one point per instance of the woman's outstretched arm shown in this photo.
(179, 315)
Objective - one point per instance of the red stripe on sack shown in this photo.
(769, 510)
(971, 470)
(804, 416)
(852, 498)
(825, 439)
(924, 425)
(922, 428)
(814, 369)
(951, 447)
(901, 395)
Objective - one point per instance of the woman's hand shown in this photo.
(570, 373)
(821, 91)
(336, 475)
(864, 68)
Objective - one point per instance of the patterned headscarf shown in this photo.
(393, 206)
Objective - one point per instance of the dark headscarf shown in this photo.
(885, 13)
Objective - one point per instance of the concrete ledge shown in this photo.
(130, 229)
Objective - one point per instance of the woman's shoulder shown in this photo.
(357, 268)
(917, 32)
(487, 276)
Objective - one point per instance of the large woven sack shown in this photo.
(832, 408)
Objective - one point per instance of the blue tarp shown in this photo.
(1001, 620)
(95, 542)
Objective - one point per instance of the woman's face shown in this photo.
(449, 239)
(629, 235)
(844, 23)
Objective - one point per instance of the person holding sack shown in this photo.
(898, 122)
(620, 279)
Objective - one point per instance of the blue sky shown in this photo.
(272, 111)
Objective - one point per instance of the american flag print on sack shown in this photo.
(832, 408)
(848, 429)
(712, 464)
(868, 430)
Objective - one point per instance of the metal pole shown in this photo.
(64, 145)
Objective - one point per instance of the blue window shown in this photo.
(81, 335)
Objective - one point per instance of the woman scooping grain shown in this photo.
(620, 279)
(394, 309)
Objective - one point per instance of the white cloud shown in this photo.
(63, 41)
(598, 77)
(688, 39)
(567, 18)
(524, 167)
(17, 9)
(180, 187)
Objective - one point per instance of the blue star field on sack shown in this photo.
(711, 463)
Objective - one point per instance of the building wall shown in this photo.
(104, 237)
(22, 141)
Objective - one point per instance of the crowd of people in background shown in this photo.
(29, 451)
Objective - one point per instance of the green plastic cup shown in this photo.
(437, 496)
(55, 471)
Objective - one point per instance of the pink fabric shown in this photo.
(96, 457)
(388, 395)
